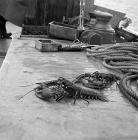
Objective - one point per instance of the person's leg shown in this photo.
(2, 26)
(3, 32)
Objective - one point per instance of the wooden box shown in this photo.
(34, 31)
(62, 31)
(47, 45)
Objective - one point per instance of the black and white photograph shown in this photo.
(68, 70)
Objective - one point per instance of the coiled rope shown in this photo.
(122, 57)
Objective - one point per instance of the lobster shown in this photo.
(63, 88)
(48, 90)
(78, 91)
(96, 80)
(85, 86)
(45, 90)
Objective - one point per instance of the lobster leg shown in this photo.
(85, 100)
(60, 97)
(75, 96)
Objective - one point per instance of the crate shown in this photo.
(62, 31)
(34, 31)
(47, 45)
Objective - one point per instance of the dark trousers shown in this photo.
(3, 31)
(2, 25)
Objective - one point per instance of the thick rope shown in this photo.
(122, 58)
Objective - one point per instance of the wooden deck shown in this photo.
(33, 119)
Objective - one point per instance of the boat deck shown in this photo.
(31, 118)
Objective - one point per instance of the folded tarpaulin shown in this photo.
(14, 10)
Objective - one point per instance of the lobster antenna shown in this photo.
(25, 94)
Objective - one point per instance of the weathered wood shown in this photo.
(34, 31)
(72, 8)
(33, 119)
(47, 45)
(89, 7)
(62, 31)
(46, 11)
(42, 12)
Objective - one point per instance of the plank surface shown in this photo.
(41, 12)
(33, 119)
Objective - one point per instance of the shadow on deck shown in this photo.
(4, 45)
